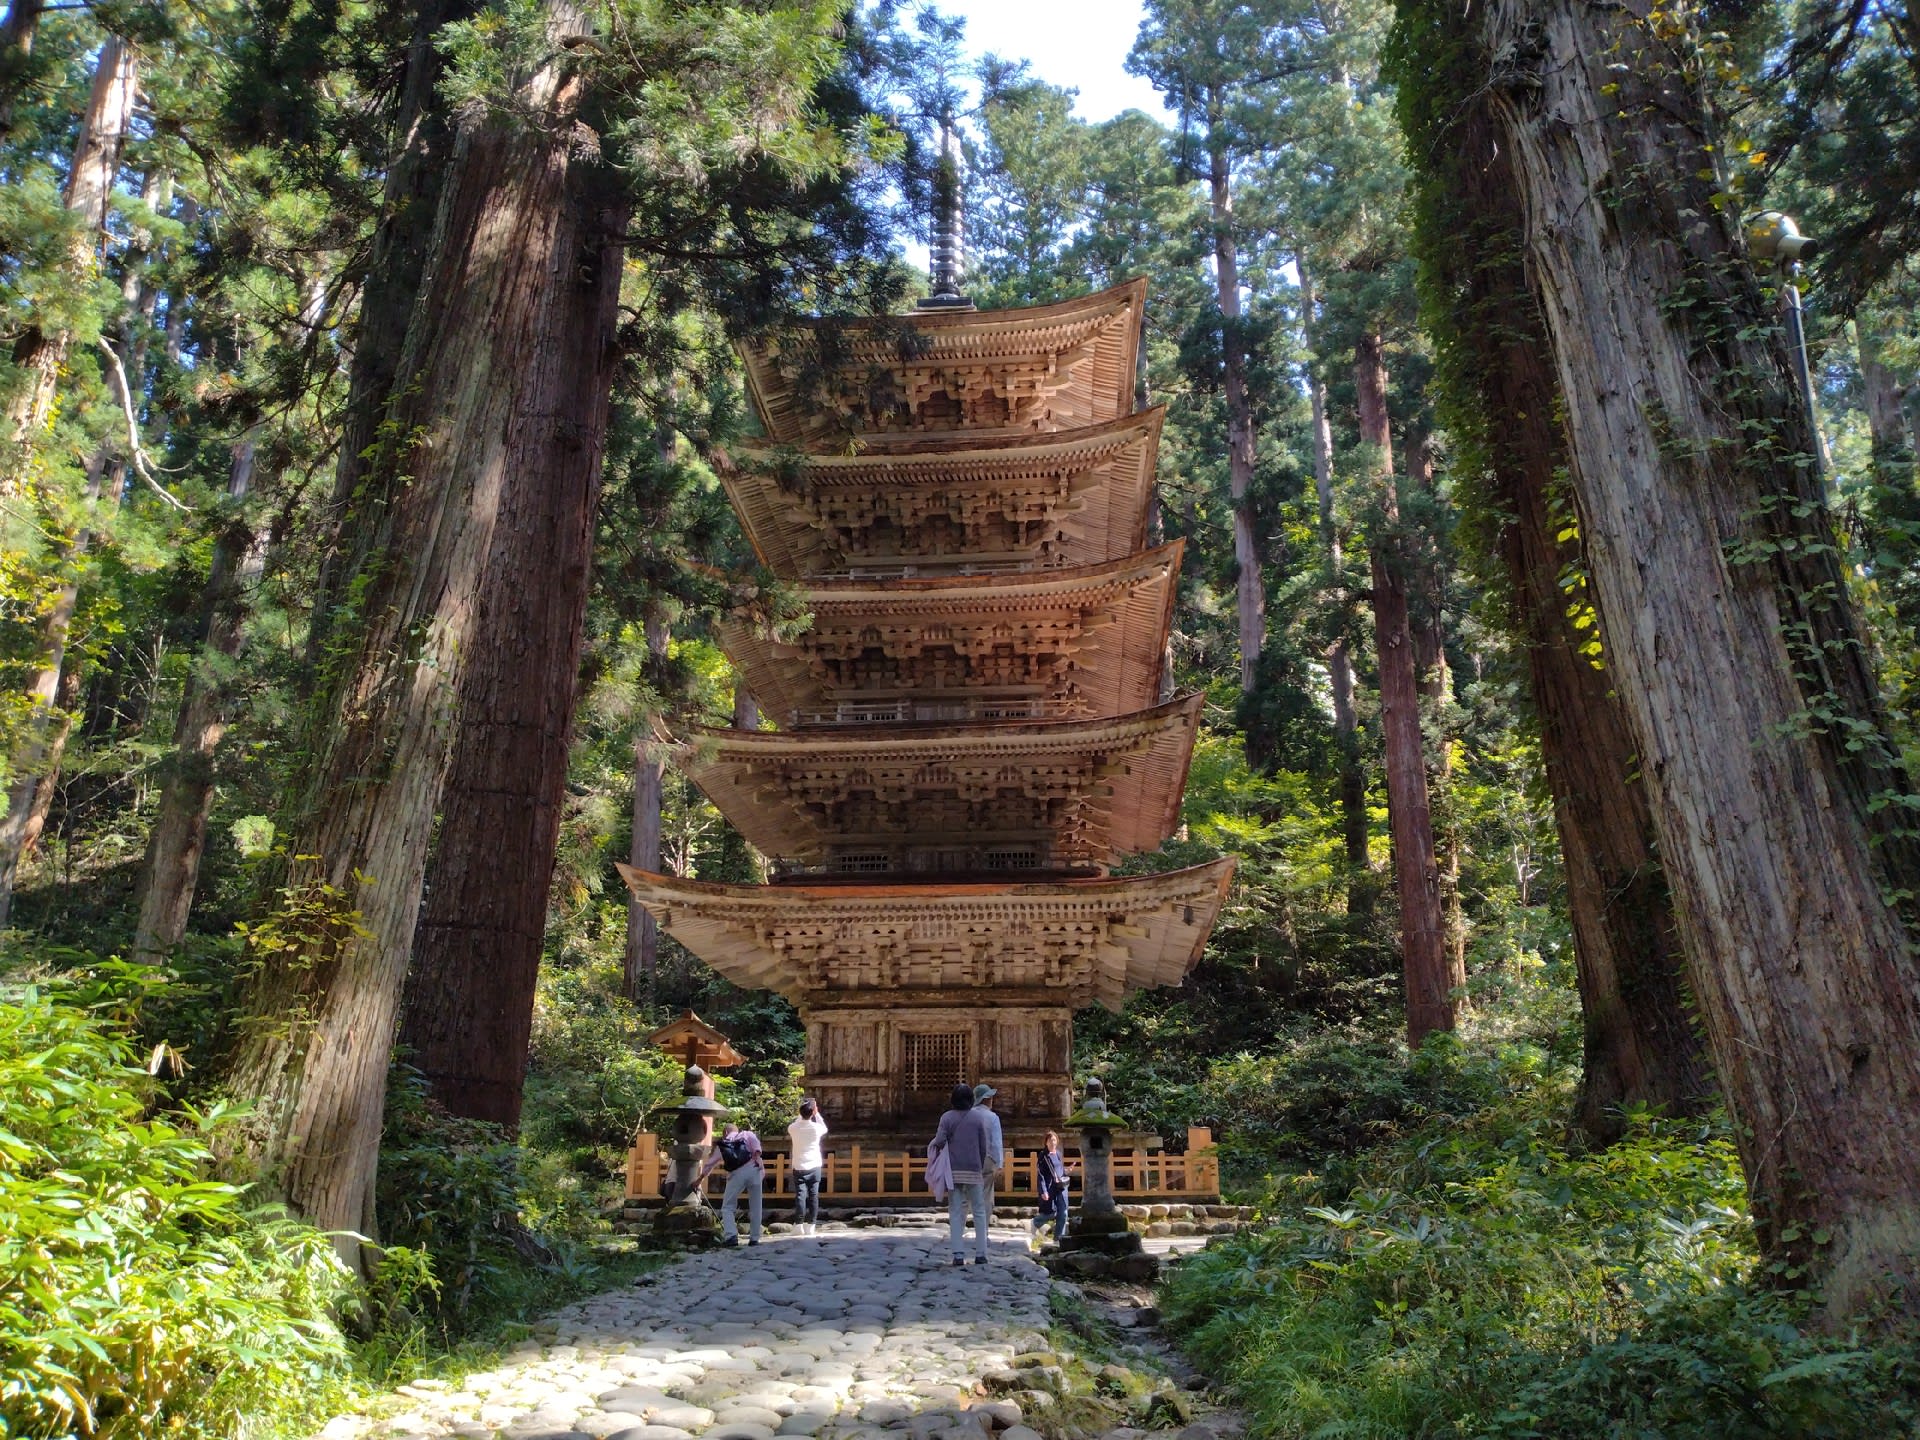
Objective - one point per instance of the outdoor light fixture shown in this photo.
(1772, 235)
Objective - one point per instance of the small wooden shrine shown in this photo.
(693, 1042)
(975, 724)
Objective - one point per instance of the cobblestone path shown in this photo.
(854, 1335)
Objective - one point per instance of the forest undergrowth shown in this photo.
(1441, 1253)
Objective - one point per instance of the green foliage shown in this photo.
(593, 1077)
(138, 1294)
(1454, 1264)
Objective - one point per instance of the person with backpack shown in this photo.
(739, 1150)
(969, 1144)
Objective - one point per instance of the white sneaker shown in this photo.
(806, 1229)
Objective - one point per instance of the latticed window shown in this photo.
(1021, 857)
(863, 862)
(934, 1065)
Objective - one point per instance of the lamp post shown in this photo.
(1772, 235)
(686, 1216)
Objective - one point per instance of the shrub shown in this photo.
(138, 1295)
(1474, 1272)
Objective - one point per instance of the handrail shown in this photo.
(863, 1173)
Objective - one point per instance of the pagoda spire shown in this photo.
(946, 243)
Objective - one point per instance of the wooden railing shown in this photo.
(864, 1175)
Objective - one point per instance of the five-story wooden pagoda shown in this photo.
(975, 724)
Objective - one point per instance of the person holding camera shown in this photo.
(805, 1135)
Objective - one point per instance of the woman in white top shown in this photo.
(806, 1133)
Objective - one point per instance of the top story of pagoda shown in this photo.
(948, 375)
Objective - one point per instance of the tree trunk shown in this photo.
(468, 1011)
(494, 404)
(171, 872)
(40, 354)
(1354, 825)
(1250, 590)
(746, 714)
(1886, 405)
(1423, 952)
(403, 242)
(1435, 682)
(1641, 1046)
(1783, 812)
(48, 724)
(649, 783)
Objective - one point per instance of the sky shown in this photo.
(1081, 44)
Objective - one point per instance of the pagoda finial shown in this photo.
(945, 252)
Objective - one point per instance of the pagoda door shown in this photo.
(933, 1063)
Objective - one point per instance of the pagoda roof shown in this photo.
(1086, 640)
(947, 373)
(1076, 791)
(1081, 941)
(1073, 497)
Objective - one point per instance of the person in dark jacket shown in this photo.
(1050, 1169)
(968, 1142)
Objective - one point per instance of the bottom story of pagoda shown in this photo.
(908, 989)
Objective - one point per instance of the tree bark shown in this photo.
(649, 785)
(1641, 1046)
(1886, 399)
(491, 406)
(1354, 824)
(403, 243)
(89, 190)
(1435, 681)
(468, 1011)
(1423, 954)
(170, 874)
(1250, 593)
(1783, 812)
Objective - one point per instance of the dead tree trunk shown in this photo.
(1423, 952)
(1250, 588)
(1783, 812)
(491, 408)
(96, 164)
(177, 842)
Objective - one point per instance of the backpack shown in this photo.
(734, 1151)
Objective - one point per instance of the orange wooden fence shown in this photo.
(858, 1174)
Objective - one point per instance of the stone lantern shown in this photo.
(1100, 1242)
(687, 1216)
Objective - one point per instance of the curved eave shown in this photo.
(1133, 803)
(1110, 468)
(1154, 928)
(1124, 608)
(937, 338)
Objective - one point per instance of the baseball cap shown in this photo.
(983, 1091)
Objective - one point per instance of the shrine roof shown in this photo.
(695, 1042)
(1084, 640)
(945, 373)
(1085, 941)
(1079, 790)
(1071, 497)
